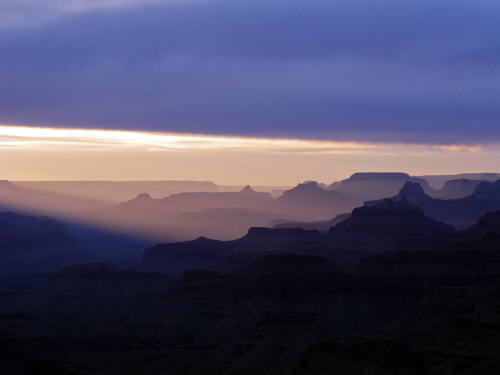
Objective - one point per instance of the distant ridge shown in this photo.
(461, 212)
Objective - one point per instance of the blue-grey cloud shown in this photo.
(426, 71)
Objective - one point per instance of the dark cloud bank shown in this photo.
(417, 71)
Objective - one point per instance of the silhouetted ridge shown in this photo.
(460, 212)
(390, 217)
(388, 207)
(373, 185)
(248, 190)
(143, 196)
(28, 233)
(321, 225)
(309, 200)
(362, 176)
(488, 190)
(459, 188)
(306, 187)
(412, 189)
(489, 223)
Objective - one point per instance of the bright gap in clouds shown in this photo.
(38, 153)
(38, 138)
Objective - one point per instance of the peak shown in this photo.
(411, 188)
(247, 189)
(307, 186)
(203, 240)
(143, 196)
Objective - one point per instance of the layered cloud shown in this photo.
(390, 71)
(42, 153)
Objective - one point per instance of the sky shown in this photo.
(41, 153)
(399, 77)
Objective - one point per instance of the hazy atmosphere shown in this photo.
(223, 187)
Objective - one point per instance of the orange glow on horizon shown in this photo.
(40, 153)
